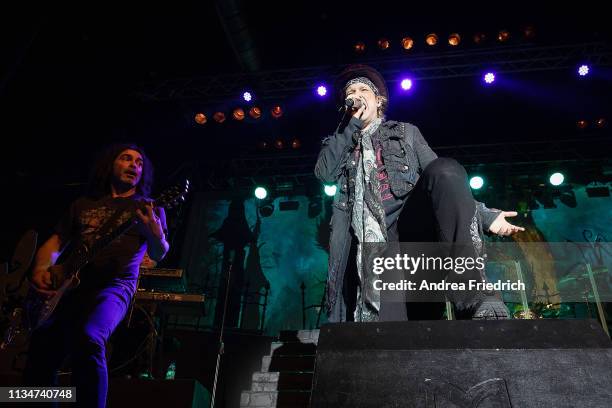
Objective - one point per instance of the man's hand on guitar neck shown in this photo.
(151, 226)
(150, 223)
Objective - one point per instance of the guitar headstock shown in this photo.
(172, 196)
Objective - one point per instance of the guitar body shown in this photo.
(13, 290)
(39, 308)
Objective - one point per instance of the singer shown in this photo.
(384, 169)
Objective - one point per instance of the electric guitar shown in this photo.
(66, 276)
(14, 287)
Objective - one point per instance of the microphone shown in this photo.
(350, 103)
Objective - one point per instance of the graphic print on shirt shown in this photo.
(383, 177)
(93, 219)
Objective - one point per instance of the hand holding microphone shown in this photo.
(355, 106)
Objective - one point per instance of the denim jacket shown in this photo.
(405, 154)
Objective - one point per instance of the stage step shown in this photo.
(283, 399)
(302, 336)
(292, 363)
(285, 379)
(293, 348)
(273, 381)
(295, 381)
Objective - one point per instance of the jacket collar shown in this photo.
(390, 129)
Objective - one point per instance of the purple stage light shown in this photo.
(247, 96)
(322, 90)
(583, 70)
(406, 84)
(489, 78)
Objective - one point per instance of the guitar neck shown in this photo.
(106, 240)
(85, 255)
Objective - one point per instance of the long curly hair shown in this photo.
(102, 171)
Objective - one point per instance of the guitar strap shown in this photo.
(105, 230)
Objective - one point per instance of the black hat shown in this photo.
(356, 71)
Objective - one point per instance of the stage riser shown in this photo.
(540, 378)
(364, 365)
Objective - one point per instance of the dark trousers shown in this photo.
(440, 208)
(80, 327)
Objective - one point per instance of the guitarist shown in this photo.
(86, 317)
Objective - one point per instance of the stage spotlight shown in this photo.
(321, 90)
(479, 38)
(247, 96)
(568, 198)
(219, 117)
(476, 182)
(407, 43)
(489, 78)
(583, 70)
(601, 122)
(267, 209)
(431, 39)
(255, 112)
(503, 36)
(276, 112)
(556, 179)
(262, 145)
(406, 84)
(330, 190)
(238, 114)
(200, 118)
(261, 193)
(359, 47)
(279, 144)
(529, 32)
(582, 124)
(596, 189)
(384, 44)
(296, 144)
(454, 39)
